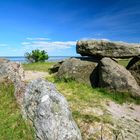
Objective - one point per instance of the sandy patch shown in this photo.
(126, 110)
(32, 75)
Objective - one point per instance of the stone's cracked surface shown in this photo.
(49, 112)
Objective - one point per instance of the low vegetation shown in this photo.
(123, 62)
(39, 66)
(36, 56)
(12, 125)
(83, 98)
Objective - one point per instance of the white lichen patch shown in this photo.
(44, 98)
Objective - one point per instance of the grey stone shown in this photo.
(10, 71)
(134, 67)
(49, 112)
(103, 48)
(55, 67)
(115, 77)
(82, 71)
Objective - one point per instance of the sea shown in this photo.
(22, 59)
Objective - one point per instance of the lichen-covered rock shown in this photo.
(134, 67)
(49, 112)
(13, 72)
(82, 71)
(115, 77)
(103, 48)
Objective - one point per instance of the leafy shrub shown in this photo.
(36, 56)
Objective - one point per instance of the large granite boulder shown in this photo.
(80, 70)
(115, 77)
(49, 112)
(134, 67)
(11, 71)
(103, 48)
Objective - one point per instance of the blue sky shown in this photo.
(56, 25)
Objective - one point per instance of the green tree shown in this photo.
(36, 56)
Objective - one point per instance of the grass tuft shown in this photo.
(12, 125)
(123, 62)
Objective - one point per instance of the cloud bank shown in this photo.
(38, 38)
(47, 45)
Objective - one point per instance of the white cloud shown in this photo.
(38, 38)
(3, 45)
(25, 43)
(49, 46)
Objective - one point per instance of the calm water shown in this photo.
(51, 58)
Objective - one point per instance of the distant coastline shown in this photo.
(23, 60)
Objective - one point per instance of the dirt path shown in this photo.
(127, 118)
(32, 75)
(129, 111)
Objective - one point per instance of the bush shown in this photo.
(36, 56)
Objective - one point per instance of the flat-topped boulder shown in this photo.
(104, 48)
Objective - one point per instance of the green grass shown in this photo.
(123, 62)
(12, 125)
(86, 92)
(40, 66)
